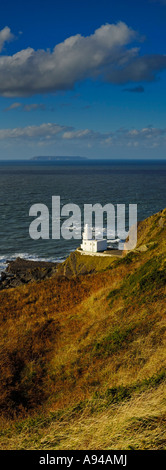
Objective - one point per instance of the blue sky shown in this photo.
(83, 78)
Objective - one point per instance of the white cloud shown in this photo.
(29, 72)
(147, 137)
(106, 54)
(13, 106)
(5, 36)
(43, 131)
(77, 134)
(133, 132)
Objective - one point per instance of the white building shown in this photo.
(90, 244)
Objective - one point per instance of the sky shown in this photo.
(84, 78)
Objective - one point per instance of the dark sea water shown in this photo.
(25, 183)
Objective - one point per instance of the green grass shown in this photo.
(151, 273)
(111, 343)
(125, 392)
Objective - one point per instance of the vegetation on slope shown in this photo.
(83, 359)
(77, 264)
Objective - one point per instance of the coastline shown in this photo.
(22, 271)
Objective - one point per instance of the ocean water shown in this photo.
(24, 183)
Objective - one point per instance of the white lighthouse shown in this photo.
(90, 244)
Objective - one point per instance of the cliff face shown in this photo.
(82, 356)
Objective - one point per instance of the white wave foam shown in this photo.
(5, 259)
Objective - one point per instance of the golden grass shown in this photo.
(135, 424)
(82, 360)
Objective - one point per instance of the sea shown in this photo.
(25, 183)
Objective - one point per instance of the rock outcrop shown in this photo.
(22, 271)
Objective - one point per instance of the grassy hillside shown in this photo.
(82, 359)
(77, 264)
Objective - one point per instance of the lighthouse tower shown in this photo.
(89, 244)
(87, 233)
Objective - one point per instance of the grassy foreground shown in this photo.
(82, 359)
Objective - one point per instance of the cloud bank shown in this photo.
(108, 54)
(48, 133)
(44, 131)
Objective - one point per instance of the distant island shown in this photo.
(55, 158)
